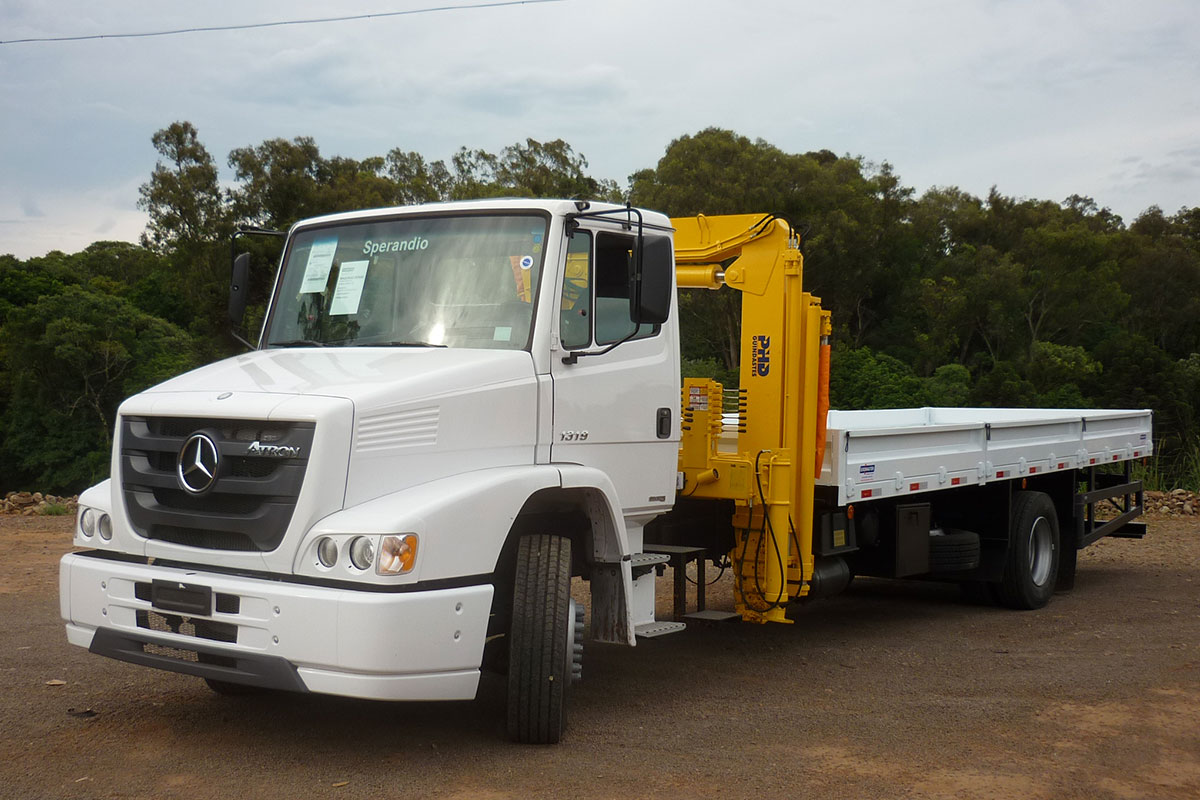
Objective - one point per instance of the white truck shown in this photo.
(454, 409)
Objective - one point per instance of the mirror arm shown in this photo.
(628, 210)
(250, 230)
(575, 355)
(238, 336)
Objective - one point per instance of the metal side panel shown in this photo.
(1020, 448)
(898, 452)
(868, 464)
(1116, 436)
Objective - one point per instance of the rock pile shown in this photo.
(28, 504)
(1175, 503)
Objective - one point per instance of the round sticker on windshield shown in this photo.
(526, 262)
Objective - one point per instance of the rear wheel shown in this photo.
(541, 640)
(1031, 568)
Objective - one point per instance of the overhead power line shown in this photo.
(247, 26)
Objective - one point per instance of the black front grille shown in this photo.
(249, 504)
(185, 626)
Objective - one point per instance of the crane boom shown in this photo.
(780, 405)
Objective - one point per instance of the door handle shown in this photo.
(664, 423)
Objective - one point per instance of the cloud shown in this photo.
(1048, 99)
(1180, 167)
(71, 220)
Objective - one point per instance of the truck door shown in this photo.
(617, 412)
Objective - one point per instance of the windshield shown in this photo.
(464, 281)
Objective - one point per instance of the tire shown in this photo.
(1031, 569)
(953, 552)
(540, 640)
(233, 689)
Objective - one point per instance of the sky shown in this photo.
(1040, 99)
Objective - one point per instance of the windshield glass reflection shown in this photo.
(463, 281)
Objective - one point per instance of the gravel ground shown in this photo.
(892, 690)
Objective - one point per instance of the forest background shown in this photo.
(939, 299)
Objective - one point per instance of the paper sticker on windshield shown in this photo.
(348, 292)
(320, 260)
(522, 276)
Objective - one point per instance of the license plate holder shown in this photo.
(181, 598)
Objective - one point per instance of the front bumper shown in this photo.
(411, 645)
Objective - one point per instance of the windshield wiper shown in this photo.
(398, 343)
(297, 343)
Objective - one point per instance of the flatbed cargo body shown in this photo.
(897, 452)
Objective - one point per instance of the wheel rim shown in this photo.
(1041, 551)
(575, 642)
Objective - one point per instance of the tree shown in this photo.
(279, 182)
(1160, 272)
(415, 180)
(532, 169)
(190, 224)
(183, 196)
(862, 378)
(73, 357)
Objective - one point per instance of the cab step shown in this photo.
(650, 630)
(709, 615)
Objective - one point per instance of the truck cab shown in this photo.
(451, 411)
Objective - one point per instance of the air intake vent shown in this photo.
(394, 430)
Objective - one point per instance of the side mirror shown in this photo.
(237, 288)
(650, 300)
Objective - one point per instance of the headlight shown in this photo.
(105, 526)
(397, 554)
(87, 522)
(327, 552)
(362, 552)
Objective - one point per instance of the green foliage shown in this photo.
(709, 368)
(861, 378)
(1003, 386)
(949, 386)
(1060, 373)
(72, 358)
(183, 196)
(532, 169)
(55, 510)
(942, 299)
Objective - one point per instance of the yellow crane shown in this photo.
(769, 469)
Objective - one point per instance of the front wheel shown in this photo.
(541, 640)
(1032, 565)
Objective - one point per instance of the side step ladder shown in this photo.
(660, 556)
(643, 565)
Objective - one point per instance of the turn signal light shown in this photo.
(397, 554)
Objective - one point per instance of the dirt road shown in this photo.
(890, 690)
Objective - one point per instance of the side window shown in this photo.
(614, 273)
(575, 314)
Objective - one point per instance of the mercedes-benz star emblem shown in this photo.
(197, 466)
